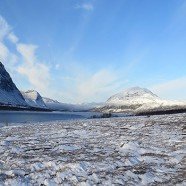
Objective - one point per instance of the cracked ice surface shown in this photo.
(116, 151)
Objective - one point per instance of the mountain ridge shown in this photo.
(33, 98)
(9, 93)
(135, 100)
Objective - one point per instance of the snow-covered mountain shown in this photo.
(138, 99)
(9, 93)
(133, 100)
(49, 100)
(34, 99)
(133, 96)
(56, 105)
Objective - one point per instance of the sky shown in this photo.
(87, 50)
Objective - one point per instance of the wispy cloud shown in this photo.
(4, 28)
(5, 54)
(85, 6)
(175, 89)
(96, 85)
(178, 19)
(37, 73)
(88, 86)
(85, 87)
(28, 52)
(13, 38)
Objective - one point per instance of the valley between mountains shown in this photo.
(133, 101)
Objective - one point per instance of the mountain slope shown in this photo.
(9, 93)
(133, 96)
(138, 99)
(34, 99)
(56, 105)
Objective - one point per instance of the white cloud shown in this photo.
(3, 52)
(36, 72)
(6, 31)
(85, 6)
(96, 84)
(26, 64)
(178, 19)
(4, 28)
(6, 56)
(28, 52)
(38, 76)
(87, 87)
(13, 38)
(78, 85)
(173, 89)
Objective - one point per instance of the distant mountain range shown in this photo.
(131, 101)
(56, 105)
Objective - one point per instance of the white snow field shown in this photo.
(116, 151)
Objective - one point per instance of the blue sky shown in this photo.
(87, 50)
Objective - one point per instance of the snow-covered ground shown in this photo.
(115, 151)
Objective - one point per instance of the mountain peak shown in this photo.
(33, 98)
(33, 93)
(132, 93)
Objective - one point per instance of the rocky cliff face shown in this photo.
(9, 93)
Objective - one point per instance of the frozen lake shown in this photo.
(10, 117)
